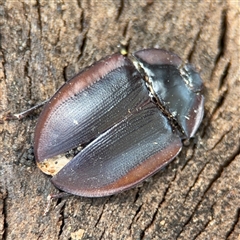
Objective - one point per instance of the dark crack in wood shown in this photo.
(223, 77)
(38, 4)
(213, 180)
(64, 73)
(101, 213)
(60, 206)
(194, 45)
(154, 215)
(2, 57)
(102, 234)
(136, 196)
(220, 102)
(41, 234)
(221, 41)
(26, 70)
(222, 37)
(218, 106)
(193, 148)
(4, 195)
(82, 39)
(135, 218)
(203, 227)
(235, 224)
(195, 181)
(220, 139)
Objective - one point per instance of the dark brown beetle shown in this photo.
(131, 122)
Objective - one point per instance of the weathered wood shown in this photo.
(43, 43)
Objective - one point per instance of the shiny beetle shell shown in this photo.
(130, 120)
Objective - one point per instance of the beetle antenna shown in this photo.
(19, 116)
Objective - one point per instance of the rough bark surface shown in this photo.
(43, 43)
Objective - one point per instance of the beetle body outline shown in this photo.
(131, 122)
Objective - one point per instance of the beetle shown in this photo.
(129, 118)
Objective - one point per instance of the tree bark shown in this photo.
(44, 43)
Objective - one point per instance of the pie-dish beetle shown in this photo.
(128, 118)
